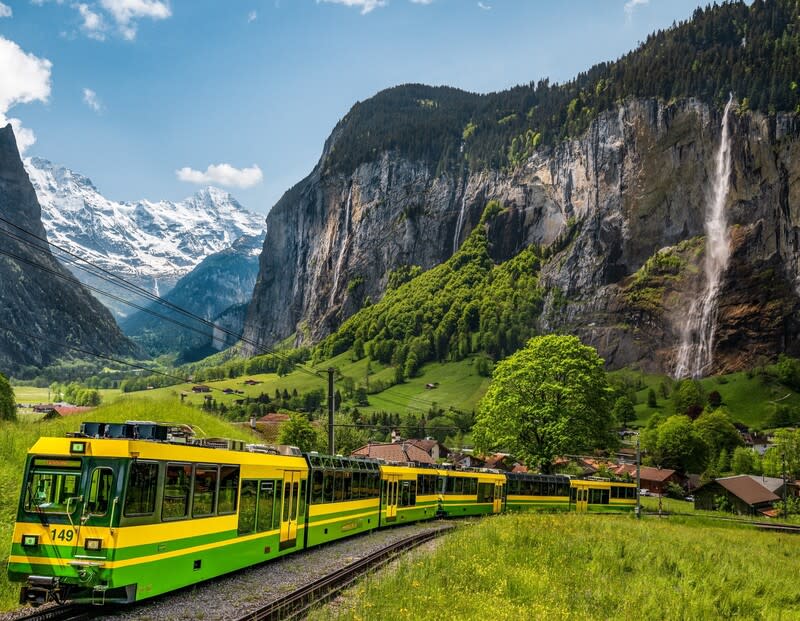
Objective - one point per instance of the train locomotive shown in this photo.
(121, 512)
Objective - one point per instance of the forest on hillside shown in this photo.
(750, 50)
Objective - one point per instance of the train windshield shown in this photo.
(53, 485)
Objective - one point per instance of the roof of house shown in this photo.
(773, 484)
(519, 468)
(746, 489)
(395, 452)
(646, 473)
(425, 445)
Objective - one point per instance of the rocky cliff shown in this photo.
(41, 313)
(621, 209)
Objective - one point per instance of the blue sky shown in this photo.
(130, 92)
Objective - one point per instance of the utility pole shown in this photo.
(331, 406)
(638, 480)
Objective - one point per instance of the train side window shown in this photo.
(294, 500)
(316, 486)
(177, 484)
(228, 489)
(338, 484)
(413, 493)
(205, 490)
(266, 500)
(140, 497)
(247, 507)
(347, 485)
(301, 510)
(100, 491)
(328, 486)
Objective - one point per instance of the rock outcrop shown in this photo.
(632, 188)
(42, 315)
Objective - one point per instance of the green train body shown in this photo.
(117, 520)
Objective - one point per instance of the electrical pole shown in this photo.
(331, 406)
(638, 480)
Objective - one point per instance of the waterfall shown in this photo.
(696, 351)
(460, 222)
(343, 247)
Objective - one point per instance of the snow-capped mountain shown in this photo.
(152, 244)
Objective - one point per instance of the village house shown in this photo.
(654, 480)
(432, 447)
(201, 388)
(743, 494)
(394, 452)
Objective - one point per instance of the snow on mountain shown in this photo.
(152, 244)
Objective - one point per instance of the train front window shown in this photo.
(100, 491)
(53, 491)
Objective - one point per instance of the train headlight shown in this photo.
(93, 545)
(30, 541)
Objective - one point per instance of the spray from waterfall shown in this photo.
(343, 248)
(696, 351)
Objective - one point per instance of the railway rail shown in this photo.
(66, 612)
(297, 604)
(768, 526)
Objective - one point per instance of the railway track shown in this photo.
(297, 604)
(769, 526)
(66, 612)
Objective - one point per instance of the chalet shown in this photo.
(201, 388)
(652, 479)
(394, 452)
(432, 447)
(776, 485)
(251, 382)
(743, 493)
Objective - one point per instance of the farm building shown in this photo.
(743, 494)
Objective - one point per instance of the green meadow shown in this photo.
(570, 566)
(17, 438)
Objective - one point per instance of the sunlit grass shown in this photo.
(542, 566)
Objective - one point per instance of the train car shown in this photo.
(344, 499)
(471, 492)
(602, 495)
(541, 492)
(408, 494)
(120, 519)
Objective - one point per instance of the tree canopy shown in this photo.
(550, 398)
(297, 431)
(8, 407)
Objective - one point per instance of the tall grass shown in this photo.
(588, 567)
(17, 438)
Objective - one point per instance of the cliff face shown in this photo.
(36, 304)
(622, 209)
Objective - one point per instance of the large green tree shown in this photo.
(550, 398)
(8, 407)
(718, 432)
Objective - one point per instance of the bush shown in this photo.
(675, 491)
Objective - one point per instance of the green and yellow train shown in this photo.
(124, 512)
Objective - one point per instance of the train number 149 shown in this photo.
(65, 534)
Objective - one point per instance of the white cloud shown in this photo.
(365, 5)
(223, 174)
(25, 78)
(91, 100)
(93, 23)
(126, 12)
(421, 1)
(630, 7)
(5, 10)
(252, 16)
(484, 6)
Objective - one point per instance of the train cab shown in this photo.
(408, 494)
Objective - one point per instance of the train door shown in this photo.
(289, 509)
(392, 484)
(497, 505)
(582, 500)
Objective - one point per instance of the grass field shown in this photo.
(750, 400)
(544, 566)
(17, 438)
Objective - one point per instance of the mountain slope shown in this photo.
(601, 186)
(149, 243)
(221, 281)
(41, 313)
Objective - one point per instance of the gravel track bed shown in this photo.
(245, 591)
